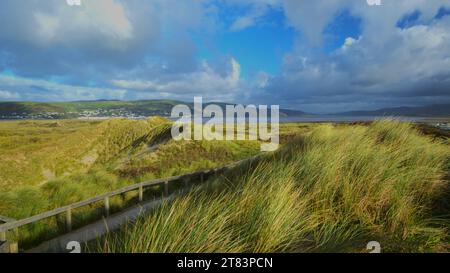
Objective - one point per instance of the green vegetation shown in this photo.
(34, 152)
(48, 164)
(100, 108)
(329, 188)
(332, 190)
(72, 109)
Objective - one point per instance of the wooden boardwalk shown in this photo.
(94, 230)
(109, 222)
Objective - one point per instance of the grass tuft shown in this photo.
(332, 190)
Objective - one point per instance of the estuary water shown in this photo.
(312, 118)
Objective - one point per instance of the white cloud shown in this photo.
(205, 81)
(349, 41)
(250, 19)
(33, 89)
(53, 21)
(47, 26)
(262, 79)
(7, 95)
(235, 74)
(257, 9)
(147, 48)
(99, 32)
(385, 66)
(311, 17)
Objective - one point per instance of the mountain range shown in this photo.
(437, 110)
(142, 108)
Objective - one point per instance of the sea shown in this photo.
(309, 119)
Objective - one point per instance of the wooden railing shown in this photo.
(12, 224)
(4, 219)
(9, 247)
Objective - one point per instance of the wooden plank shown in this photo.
(141, 193)
(69, 219)
(32, 219)
(96, 228)
(107, 206)
(5, 219)
(14, 247)
(166, 188)
(153, 182)
(4, 247)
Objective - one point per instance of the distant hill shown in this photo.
(439, 110)
(100, 108)
(85, 109)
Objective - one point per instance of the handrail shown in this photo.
(18, 223)
(5, 219)
(14, 224)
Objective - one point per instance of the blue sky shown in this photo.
(316, 56)
(274, 39)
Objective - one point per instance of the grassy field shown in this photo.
(332, 190)
(329, 188)
(48, 164)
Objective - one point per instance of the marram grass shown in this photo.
(333, 190)
(88, 158)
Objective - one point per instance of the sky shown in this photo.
(318, 56)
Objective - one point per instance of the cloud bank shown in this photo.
(132, 49)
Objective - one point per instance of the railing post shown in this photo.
(107, 206)
(69, 219)
(13, 247)
(166, 188)
(141, 193)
